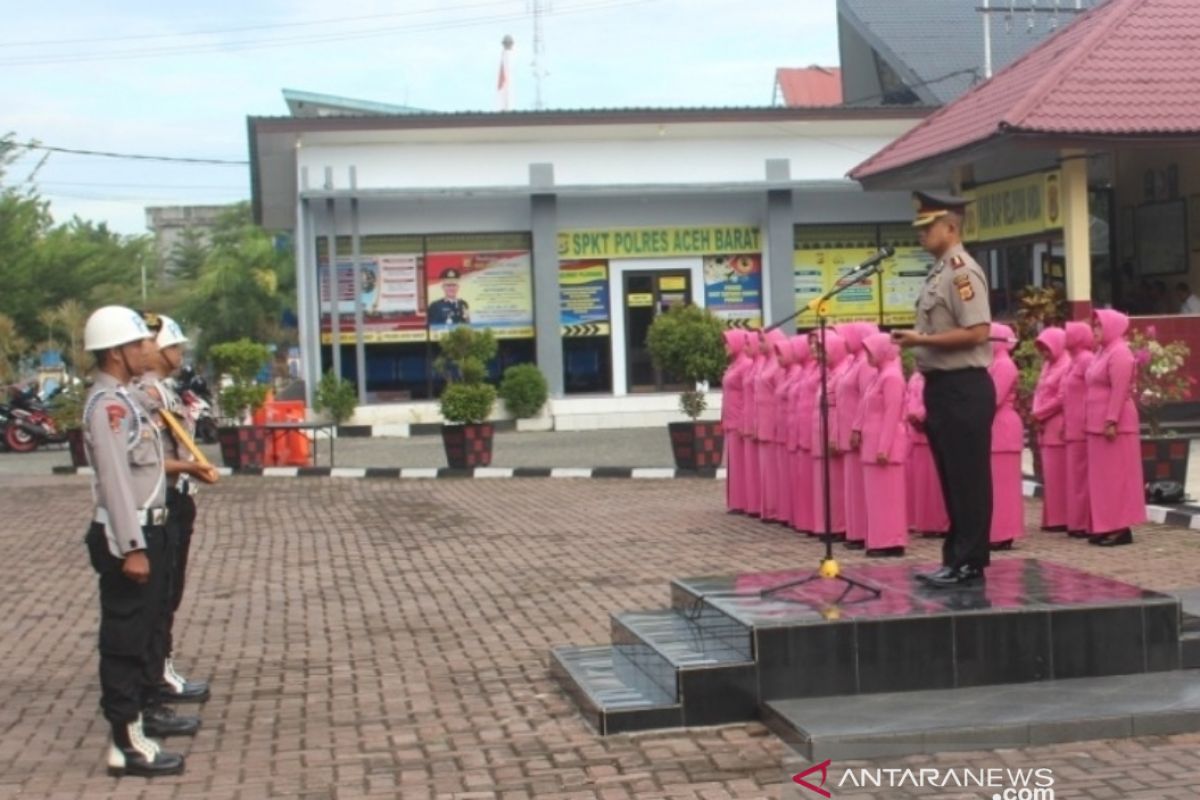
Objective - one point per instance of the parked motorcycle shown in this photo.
(30, 424)
(193, 391)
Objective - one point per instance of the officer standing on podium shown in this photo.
(126, 540)
(953, 352)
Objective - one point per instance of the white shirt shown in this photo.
(1191, 305)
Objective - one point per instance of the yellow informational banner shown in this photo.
(640, 300)
(658, 242)
(1023, 206)
(672, 284)
(378, 337)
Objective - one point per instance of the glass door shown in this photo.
(646, 295)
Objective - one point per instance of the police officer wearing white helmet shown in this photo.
(164, 358)
(126, 541)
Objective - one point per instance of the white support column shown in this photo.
(1076, 232)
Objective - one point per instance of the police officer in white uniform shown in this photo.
(164, 358)
(126, 541)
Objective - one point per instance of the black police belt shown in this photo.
(146, 516)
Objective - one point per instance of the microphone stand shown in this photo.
(829, 568)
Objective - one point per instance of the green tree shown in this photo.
(12, 347)
(188, 255)
(244, 284)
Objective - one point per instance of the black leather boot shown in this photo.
(177, 689)
(162, 722)
(131, 753)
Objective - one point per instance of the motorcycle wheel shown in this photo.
(206, 431)
(20, 440)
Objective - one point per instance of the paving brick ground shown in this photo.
(389, 639)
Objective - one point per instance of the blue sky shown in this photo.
(191, 95)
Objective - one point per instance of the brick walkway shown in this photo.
(371, 638)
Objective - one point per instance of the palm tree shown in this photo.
(72, 316)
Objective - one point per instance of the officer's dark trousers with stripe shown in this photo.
(129, 619)
(959, 407)
(181, 519)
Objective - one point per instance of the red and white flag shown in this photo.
(504, 82)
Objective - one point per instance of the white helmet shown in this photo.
(113, 326)
(169, 334)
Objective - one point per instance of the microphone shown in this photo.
(868, 267)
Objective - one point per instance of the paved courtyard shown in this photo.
(389, 639)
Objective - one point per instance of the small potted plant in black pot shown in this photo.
(242, 444)
(66, 411)
(467, 400)
(686, 343)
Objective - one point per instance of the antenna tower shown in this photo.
(539, 8)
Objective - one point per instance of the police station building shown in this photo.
(565, 233)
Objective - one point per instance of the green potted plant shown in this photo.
(242, 443)
(1159, 379)
(66, 411)
(686, 343)
(337, 397)
(467, 400)
(524, 392)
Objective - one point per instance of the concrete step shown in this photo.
(988, 717)
(702, 660)
(608, 700)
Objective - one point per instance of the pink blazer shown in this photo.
(1080, 344)
(914, 407)
(799, 426)
(806, 405)
(1048, 396)
(838, 364)
(1110, 377)
(785, 416)
(1008, 433)
(733, 390)
(764, 389)
(883, 428)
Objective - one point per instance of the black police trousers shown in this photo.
(959, 407)
(130, 625)
(181, 519)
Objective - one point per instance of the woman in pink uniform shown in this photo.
(884, 449)
(836, 366)
(848, 395)
(928, 513)
(1048, 412)
(784, 417)
(733, 398)
(1008, 439)
(755, 348)
(765, 384)
(1113, 437)
(803, 405)
(1081, 344)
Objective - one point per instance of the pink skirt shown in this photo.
(929, 513)
(783, 461)
(750, 487)
(735, 493)
(837, 500)
(1054, 486)
(768, 480)
(887, 515)
(856, 499)
(802, 496)
(1115, 476)
(1079, 512)
(1008, 503)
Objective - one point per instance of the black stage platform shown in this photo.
(723, 653)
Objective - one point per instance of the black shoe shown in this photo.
(1005, 545)
(855, 544)
(885, 552)
(1098, 538)
(188, 693)
(1077, 534)
(131, 753)
(1055, 528)
(939, 574)
(162, 722)
(958, 578)
(1116, 539)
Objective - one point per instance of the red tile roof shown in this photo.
(809, 87)
(1129, 67)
